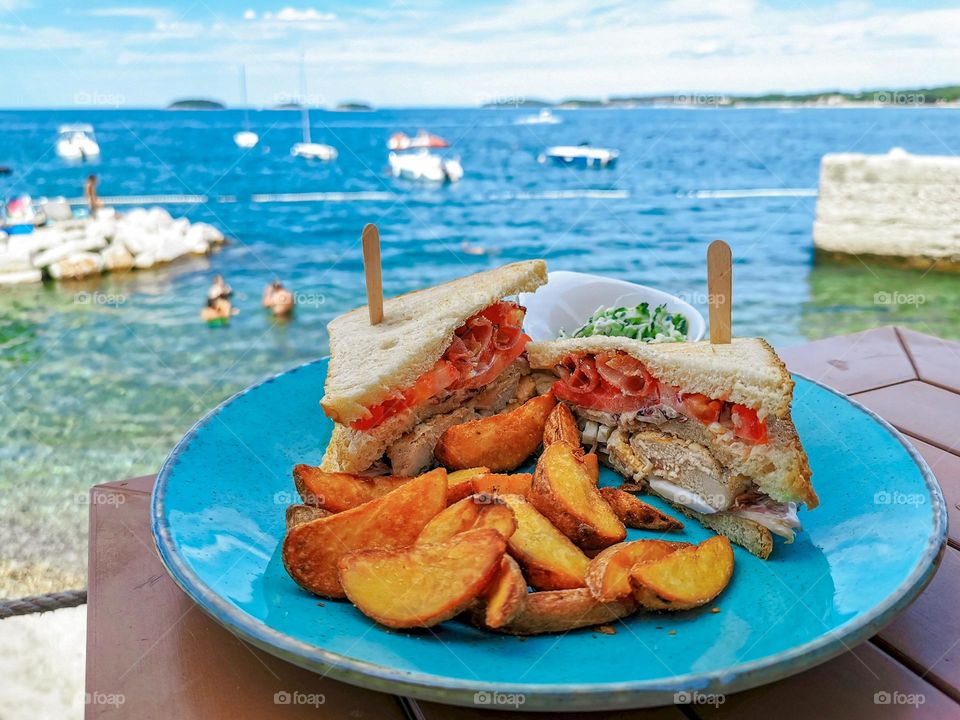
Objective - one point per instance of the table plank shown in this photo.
(852, 363)
(433, 711)
(848, 687)
(946, 467)
(926, 636)
(149, 644)
(937, 360)
(925, 411)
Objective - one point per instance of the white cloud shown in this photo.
(307, 15)
(145, 13)
(250, 14)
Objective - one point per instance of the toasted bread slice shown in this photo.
(746, 371)
(369, 362)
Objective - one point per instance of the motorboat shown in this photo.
(246, 138)
(77, 142)
(426, 166)
(583, 155)
(309, 149)
(544, 117)
(423, 139)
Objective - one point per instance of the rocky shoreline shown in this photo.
(113, 242)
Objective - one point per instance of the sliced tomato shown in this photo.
(431, 383)
(605, 399)
(701, 407)
(747, 425)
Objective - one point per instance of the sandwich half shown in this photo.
(706, 427)
(441, 356)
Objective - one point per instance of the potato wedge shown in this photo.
(460, 483)
(549, 559)
(299, 514)
(592, 463)
(608, 575)
(564, 491)
(476, 511)
(337, 492)
(422, 585)
(504, 596)
(311, 550)
(635, 513)
(500, 442)
(561, 427)
(684, 579)
(562, 610)
(493, 483)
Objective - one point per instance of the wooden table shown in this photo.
(151, 653)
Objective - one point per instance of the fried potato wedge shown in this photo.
(460, 483)
(337, 492)
(422, 585)
(562, 610)
(686, 578)
(592, 463)
(608, 575)
(504, 596)
(476, 511)
(500, 442)
(564, 491)
(493, 483)
(635, 513)
(549, 559)
(561, 427)
(299, 514)
(311, 551)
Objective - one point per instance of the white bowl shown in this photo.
(569, 298)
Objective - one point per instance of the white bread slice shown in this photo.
(369, 362)
(746, 371)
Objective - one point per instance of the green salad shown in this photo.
(637, 322)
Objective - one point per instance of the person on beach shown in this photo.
(278, 299)
(90, 191)
(219, 289)
(218, 312)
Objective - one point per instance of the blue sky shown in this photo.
(404, 52)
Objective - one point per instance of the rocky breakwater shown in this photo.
(113, 242)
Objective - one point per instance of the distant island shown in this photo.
(354, 107)
(913, 97)
(196, 104)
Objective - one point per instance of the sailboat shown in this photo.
(309, 149)
(246, 138)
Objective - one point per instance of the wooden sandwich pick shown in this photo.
(719, 291)
(370, 239)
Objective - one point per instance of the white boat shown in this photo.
(544, 117)
(423, 139)
(425, 165)
(581, 156)
(77, 142)
(246, 138)
(309, 149)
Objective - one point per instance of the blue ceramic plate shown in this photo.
(867, 551)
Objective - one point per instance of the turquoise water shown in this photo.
(102, 377)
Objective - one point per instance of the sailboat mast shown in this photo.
(305, 110)
(243, 95)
